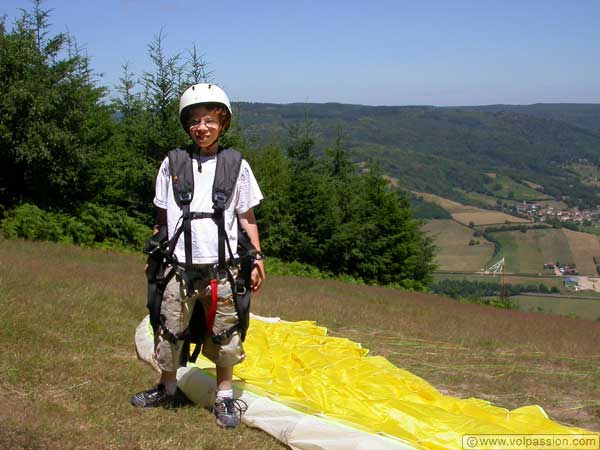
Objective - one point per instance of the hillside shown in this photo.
(72, 312)
(430, 149)
(579, 114)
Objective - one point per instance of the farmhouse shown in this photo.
(572, 283)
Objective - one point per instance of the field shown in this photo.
(466, 214)
(549, 281)
(483, 217)
(484, 199)
(510, 188)
(584, 247)
(527, 252)
(69, 367)
(589, 174)
(556, 204)
(583, 308)
(453, 249)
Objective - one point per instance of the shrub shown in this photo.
(93, 225)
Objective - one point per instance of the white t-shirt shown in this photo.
(204, 231)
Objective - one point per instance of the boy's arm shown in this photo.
(248, 223)
(161, 219)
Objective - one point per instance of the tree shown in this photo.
(276, 214)
(304, 195)
(52, 120)
(397, 251)
(162, 88)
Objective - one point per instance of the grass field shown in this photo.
(69, 366)
(583, 247)
(589, 174)
(487, 200)
(550, 281)
(532, 185)
(453, 249)
(483, 217)
(527, 252)
(569, 303)
(520, 191)
(466, 214)
(582, 308)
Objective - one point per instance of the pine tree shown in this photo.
(52, 120)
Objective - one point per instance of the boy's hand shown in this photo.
(154, 232)
(257, 277)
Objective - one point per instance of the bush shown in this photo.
(93, 225)
(275, 266)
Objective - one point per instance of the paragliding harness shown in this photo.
(236, 270)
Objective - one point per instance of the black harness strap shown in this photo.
(187, 235)
(229, 163)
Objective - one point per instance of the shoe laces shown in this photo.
(233, 406)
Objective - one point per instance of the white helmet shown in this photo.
(203, 93)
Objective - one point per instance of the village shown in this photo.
(542, 213)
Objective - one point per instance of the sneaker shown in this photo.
(228, 411)
(157, 396)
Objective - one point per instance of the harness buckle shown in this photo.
(224, 336)
(222, 273)
(185, 197)
(219, 200)
(240, 290)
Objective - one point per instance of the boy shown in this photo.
(205, 113)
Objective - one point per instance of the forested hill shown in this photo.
(434, 149)
(583, 115)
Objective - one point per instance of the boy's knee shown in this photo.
(225, 355)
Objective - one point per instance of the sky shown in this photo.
(377, 52)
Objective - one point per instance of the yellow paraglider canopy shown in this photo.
(296, 364)
(299, 364)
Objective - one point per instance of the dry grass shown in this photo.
(69, 367)
(449, 205)
(584, 247)
(466, 214)
(532, 185)
(483, 217)
(453, 249)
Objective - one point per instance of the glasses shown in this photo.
(208, 123)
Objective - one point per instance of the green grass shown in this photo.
(483, 199)
(589, 174)
(520, 191)
(571, 306)
(527, 252)
(549, 281)
(68, 366)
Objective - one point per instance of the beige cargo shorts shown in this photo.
(177, 310)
